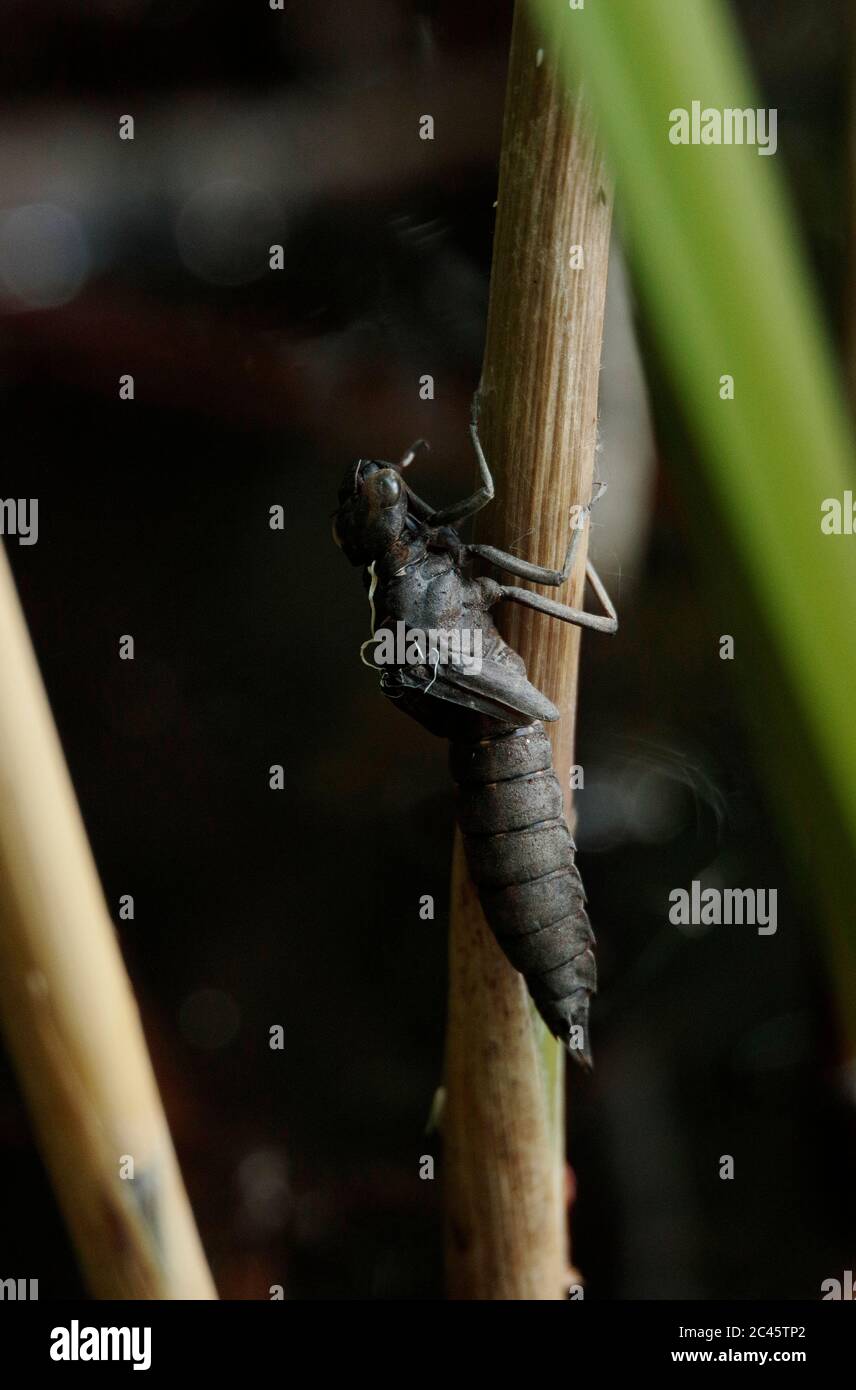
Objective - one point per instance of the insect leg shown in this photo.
(563, 611)
(458, 511)
(418, 506)
(539, 574)
(408, 457)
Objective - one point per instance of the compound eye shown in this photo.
(388, 489)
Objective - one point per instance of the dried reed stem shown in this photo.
(504, 1119)
(69, 1015)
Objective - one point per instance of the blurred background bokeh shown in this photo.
(254, 387)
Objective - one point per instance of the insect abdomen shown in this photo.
(521, 857)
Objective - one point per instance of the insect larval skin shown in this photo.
(509, 802)
(520, 854)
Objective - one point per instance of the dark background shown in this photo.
(300, 907)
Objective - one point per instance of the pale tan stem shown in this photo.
(504, 1120)
(69, 1014)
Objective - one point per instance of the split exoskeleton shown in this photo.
(509, 802)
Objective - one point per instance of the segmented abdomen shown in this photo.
(521, 858)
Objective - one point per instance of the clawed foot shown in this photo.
(600, 489)
(411, 452)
